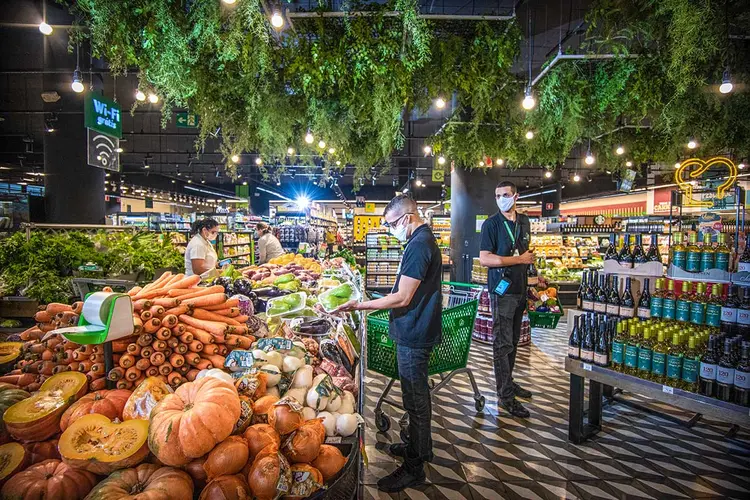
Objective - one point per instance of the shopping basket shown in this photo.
(460, 301)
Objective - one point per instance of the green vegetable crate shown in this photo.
(545, 319)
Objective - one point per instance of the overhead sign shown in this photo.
(438, 175)
(102, 151)
(691, 170)
(102, 115)
(187, 120)
(149, 202)
(369, 208)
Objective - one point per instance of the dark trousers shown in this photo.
(412, 370)
(507, 315)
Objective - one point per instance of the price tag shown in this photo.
(667, 389)
(587, 367)
(333, 440)
(384, 247)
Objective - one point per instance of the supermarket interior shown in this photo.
(193, 218)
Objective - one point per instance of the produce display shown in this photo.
(211, 400)
(543, 301)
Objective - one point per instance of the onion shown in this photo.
(334, 402)
(346, 425)
(303, 377)
(291, 364)
(260, 357)
(275, 358)
(261, 408)
(227, 488)
(298, 393)
(216, 373)
(258, 437)
(274, 374)
(329, 462)
(228, 457)
(315, 400)
(347, 403)
(197, 472)
(284, 419)
(305, 443)
(318, 379)
(329, 422)
(308, 413)
(306, 480)
(274, 391)
(264, 476)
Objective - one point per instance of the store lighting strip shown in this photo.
(276, 194)
(216, 193)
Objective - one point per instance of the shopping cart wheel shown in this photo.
(479, 403)
(382, 422)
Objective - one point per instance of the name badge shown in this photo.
(515, 253)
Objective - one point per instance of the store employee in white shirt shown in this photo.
(200, 255)
(269, 246)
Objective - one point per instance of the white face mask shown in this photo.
(505, 204)
(398, 232)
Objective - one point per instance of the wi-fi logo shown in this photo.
(106, 152)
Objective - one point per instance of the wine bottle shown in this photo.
(587, 344)
(743, 316)
(631, 352)
(693, 264)
(722, 253)
(613, 297)
(657, 299)
(713, 307)
(611, 253)
(625, 257)
(725, 373)
(744, 262)
(639, 255)
(574, 343)
(674, 362)
(729, 312)
(618, 348)
(600, 302)
(742, 378)
(668, 302)
(581, 290)
(698, 305)
(707, 253)
(532, 275)
(682, 304)
(690, 366)
(659, 359)
(707, 380)
(653, 250)
(627, 302)
(678, 252)
(645, 354)
(588, 296)
(601, 350)
(644, 302)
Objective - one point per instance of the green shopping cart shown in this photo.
(448, 358)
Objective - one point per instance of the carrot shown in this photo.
(173, 342)
(167, 352)
(97, 358)
(209, 316)
(242, 319)
(97, 349)
(60, 368)
(132, 373)
(201, 292)
(238, 330)
(127, 360)
(158, 282)
(228, 304)
(146, 315)
(152, 325)
(178, 310)
(183, 369)
(86, 349)
(55, 307)
(67, 356)
(174, 379)
(107, 289)
(142, 305)
(240, 341)
(124, 384)
(156, 311)
(180, 292)
(134, 290)
(181, 348)
(121, 345)
(145, 339)
(147, 351)
(165, 369)
(174, 279)
(78, 307)
(46, 327)
(32, 387)
(32, 333)
(74, 366)
(223, 349)
(19, 380)
(79, 356)
(193, 358)
(152, 371)
(37, 348)
(206, 300)
(142, 364)
(230, 312)
(116, 373)
(99, 384)
(84, 366)
(137, 325)
(42, 317)
(186, 282)
(134, 349)
(178, 330)
(191, 374)
(163, 333)
(53, 342)
(167, 303)
(176, 360)
(47, 355)
(46, 367)
(169, 321)
(159, 345)
(157, 358)
(187, 337)
(210, 349)
(212, 327)
(97, 368)
(204, 365)
(195, 346)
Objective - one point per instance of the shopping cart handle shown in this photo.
(457, 283)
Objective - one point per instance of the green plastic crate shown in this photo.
(451, 354)
(545, 319)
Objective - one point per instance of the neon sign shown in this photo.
(686, 184)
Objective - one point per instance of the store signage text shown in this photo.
(102, 115)
(686, 174)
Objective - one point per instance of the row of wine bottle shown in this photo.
(629, 257)
(688, 358)
(695, 258)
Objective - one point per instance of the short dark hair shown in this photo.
(503, 184)
(402, 203)
(203, 223)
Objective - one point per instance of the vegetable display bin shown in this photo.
(545, 319)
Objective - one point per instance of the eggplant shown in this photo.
(226, 282)
(329, 350)
(315, 327)
(262, 292)
(242, 286)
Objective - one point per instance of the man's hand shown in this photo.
(527, 258)
(349, 306)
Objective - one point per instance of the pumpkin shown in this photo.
(49, 479)
(13, 459)
(9, 353)
(107, 403)
(9, 395)
(39, 452)
(145, 482)
(227, 488)
(38, 417)
(98, 445)
(190, 422)
(144, 398)
(551, 292)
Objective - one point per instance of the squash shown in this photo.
(38, 417)
(9, 395)
(144, 398)
(9, 354)
(551, 292)
(96, 444)
(13, 459)
(147, 481)
(49, 479)
(190, 422)
(107, 403)
(227, 488)
(39, 452)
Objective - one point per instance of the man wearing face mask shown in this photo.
(505, 251)
(415, 326)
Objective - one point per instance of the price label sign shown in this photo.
(667, 389)
(587, 367)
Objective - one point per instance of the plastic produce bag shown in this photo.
(144, 398)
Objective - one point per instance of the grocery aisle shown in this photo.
(483, 456)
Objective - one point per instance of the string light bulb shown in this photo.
(441, 160)
(499, 162)
(277, 20)
(309, 138)
(439, 103)
(620, 150)
(235, 158)
(45, 28)
(229, 2)
(628, 163)
(77, 84)
(290, 151)
(331, 150)
(529, 135)
(692, 144)
(418, 183)
(481, 163)
(548, 174)
(677, 165)
(427, 150)
(139, 95)
(153, 98)
(725, 87)
(589, 160)
(322, 144)
(576, 178)
(528, 102)
(259, 161)
(741, 166)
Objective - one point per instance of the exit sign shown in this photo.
(102, 115)
(187, 120)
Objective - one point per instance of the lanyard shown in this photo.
(510, 233)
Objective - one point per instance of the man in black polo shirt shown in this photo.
(505, 251)
(415, 325)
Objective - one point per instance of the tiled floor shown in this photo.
(488, 455)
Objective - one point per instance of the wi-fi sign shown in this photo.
(102, 151)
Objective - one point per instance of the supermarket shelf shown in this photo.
(235, 244)
(380, 274)
(387, 247)
(236, 256)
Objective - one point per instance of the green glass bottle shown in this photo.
(644, 355)
(631, 352)
(657, 299)
(618, 349)
(690, 365)
(668, 302)
(693, 264)
(659, 359)
(682, 304)
(674, 362)
(713, 307)
(698, 306)
(722, 253)
(678, 252)
(707, 253)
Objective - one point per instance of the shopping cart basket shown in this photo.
(460, 302)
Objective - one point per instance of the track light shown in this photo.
(45, 28)
(277, 20)
(620, 150)
(77, 84)
(139, 95)
(726, 83)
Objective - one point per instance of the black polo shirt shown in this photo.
(496, 240)
(419, 324)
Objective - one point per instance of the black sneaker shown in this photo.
(398, 449)
(401, 479)
(521, 392)
(515, 408)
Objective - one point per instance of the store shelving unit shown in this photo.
(382, 257)
(441, 228)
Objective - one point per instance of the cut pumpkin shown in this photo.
(107, 403)
(9, 353)
(12, 460)
(98, 445)
(9, 395)
(38, 417)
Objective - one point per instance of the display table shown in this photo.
(605, 379)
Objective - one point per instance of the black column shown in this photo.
(74, 191)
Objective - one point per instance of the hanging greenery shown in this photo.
(351, 81)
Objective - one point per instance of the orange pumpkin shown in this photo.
(96, 444)
(49, 479)
(39, 452)
(107, 403)
(13, 459)
(190, 422)
(145, 482)
(38, 417)
(551, 292)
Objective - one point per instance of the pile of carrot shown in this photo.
(179, 329)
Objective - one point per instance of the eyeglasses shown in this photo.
(393, 224)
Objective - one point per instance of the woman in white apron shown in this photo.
(200, 255)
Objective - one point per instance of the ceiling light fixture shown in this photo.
(77, 84)
(528, 102)
(45, 28)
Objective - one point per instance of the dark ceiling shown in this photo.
(32, 64)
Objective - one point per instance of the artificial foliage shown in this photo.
(352, 81)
